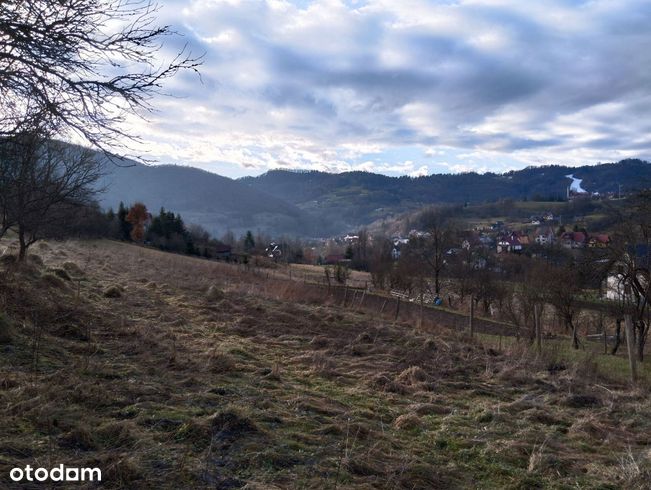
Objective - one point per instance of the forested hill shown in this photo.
(322, 204)
(360, 197)
(215, 202)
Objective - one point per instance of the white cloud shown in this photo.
(339, 85)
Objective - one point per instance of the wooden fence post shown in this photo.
(397, 308)
(537, 313)
(630, 346)
(383, 305)
(471, 322)
(420, 318)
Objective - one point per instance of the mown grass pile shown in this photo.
(197, 376)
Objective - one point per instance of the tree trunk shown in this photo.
(22, 253)
(575, 336)
(618, 336)
(641, 340)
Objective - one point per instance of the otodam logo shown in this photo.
(58, 473)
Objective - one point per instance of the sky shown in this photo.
(405, 87)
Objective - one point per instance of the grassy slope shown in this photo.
(167, 386)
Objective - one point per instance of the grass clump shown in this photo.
(113, 291)
(62, 273)
(214, 293)
(220, 361)
(53, 280)
(73, 269)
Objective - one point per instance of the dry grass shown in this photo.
(272, 385)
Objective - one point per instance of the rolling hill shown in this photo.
(355, 198)
(311, 203)
(215, 202)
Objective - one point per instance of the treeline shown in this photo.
(166, 231)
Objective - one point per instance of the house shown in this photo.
(548, 216)
(638, 258)
(509, 244)
(398, 240)
(395, 252)
(574, 239)
(486, 240)
(544, 236)
(598, 241)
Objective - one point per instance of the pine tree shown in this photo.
(124, 225)
(249, 242)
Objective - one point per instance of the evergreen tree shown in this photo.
(249, 242)
(124, 226)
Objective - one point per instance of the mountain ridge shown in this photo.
(315, 203)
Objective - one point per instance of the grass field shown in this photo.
(173, 372)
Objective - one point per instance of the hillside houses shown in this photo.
(544, 236)
(518, 242)
(510, 243)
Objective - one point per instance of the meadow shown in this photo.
(167, 371)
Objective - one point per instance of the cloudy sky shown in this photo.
(406, 86)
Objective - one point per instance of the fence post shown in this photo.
(630, 346)
(603, 329)
(471, 323)
(537, 327)
(420, 318)
(383, 305)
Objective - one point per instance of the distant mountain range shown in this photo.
(310, 203)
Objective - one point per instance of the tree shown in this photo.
(137, 217)
(432, 246)
(249, 242)
(630, 264)
(41, 182)
(81, 65)
(123, 225)
(381, 262)
(564, 286)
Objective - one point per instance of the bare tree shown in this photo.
(381, 262)
(84, 65)
(629, 260)
(41, 182)
(432, 246)
(564, 286)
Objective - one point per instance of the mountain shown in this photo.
(215, 202)
(348, 200)
(322, 204)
